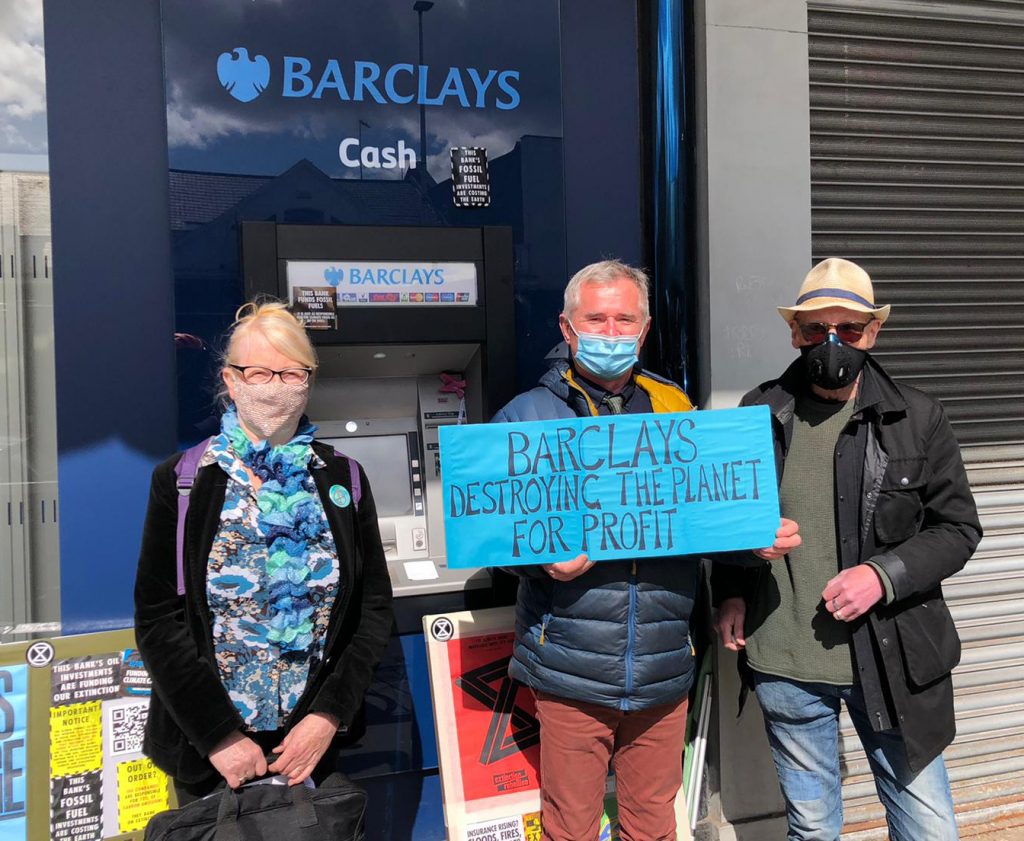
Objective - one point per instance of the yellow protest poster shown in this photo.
(141, 793)
(76, 739)
(531, 826)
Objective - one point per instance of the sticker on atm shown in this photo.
(381, 282)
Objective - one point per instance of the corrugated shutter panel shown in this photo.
(917, 173)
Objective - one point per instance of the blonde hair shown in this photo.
(275, 322)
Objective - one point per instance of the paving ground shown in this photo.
(1009, 834)
(999, 828)
(996, 832)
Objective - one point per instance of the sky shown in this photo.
(22, 86)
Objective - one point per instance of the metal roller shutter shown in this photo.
(917, 173)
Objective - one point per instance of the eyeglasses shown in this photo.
(257, 375)
(848, 332)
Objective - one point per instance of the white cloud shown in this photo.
(22, 69)
(465, 128)
(196, 126)
(10, 137)
(22, 78)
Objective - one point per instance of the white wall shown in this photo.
(754, 196)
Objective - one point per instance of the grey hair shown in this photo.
(606, 271)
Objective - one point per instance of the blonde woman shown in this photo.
(263, 603)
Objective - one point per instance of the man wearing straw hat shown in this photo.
(871, 471)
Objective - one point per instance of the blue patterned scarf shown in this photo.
(290, 521)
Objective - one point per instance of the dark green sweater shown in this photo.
(789, 631)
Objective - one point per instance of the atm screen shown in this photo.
(385, 460)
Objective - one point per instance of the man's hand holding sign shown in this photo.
(568, 570)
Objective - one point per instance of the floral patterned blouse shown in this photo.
(264, 682)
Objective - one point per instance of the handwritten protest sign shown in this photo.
(624, 486)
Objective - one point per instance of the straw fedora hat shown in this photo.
(835, 282)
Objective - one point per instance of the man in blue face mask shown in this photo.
(604, 329)
(606, 647)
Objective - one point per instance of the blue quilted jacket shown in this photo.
(619, 634)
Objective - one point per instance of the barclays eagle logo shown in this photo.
(243, 77)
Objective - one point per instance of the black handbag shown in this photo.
(333, 811)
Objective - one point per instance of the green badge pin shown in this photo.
(340, 496)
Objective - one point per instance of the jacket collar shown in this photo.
(877, 392)
(665, 395)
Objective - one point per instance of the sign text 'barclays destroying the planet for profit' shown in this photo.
(625, 486)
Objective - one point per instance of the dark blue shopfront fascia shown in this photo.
(354, 122)
(146, 189)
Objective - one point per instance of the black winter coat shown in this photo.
(190, 711)
(902, 501)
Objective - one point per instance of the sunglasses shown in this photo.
(848, 332)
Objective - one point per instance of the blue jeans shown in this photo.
(802, 720)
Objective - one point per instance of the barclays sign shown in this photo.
(243, 77)
(246, 78)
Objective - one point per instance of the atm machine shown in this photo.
(414, 329)
(421, 336)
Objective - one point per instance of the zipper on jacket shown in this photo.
(630, 636)
(547, 616)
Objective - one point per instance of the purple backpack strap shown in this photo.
(185, 471)
(354, 480)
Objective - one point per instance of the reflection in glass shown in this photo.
(29, 544)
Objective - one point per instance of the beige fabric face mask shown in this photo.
(270, 411)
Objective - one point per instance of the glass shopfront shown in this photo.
(29, 544)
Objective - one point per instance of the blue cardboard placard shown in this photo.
(624, 486)
(13, 727)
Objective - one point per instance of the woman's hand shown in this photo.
(304, 746)
(238, 759)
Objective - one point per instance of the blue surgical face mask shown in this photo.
(606, 357)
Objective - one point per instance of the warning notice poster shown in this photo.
(141, 793)
(76, 807)
(315, 307)
(76, 740)
(471, 181)
(101, 785)
(73, 712)
(498, 735)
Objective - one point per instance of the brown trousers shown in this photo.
(645, 749)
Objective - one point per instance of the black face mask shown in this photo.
(832, 364)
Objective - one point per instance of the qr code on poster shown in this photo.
(126, 725)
